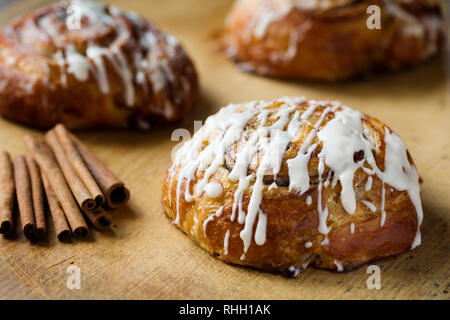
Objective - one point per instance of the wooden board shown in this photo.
(145, 257)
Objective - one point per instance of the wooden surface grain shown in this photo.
(145, 257)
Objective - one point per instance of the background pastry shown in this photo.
(89, 65)
(282, 184)
(330, 40)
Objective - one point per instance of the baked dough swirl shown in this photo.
(277, 185)
(89, 66)
(331, 40)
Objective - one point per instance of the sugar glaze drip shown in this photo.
(271, 11)
(338, 140)
(133, 69)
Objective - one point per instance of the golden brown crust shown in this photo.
(40, 86)
(330, 39)
(292, 219)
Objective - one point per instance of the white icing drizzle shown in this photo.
(308, 200)
(271, 161)
(295, 270)
(339, 266)
(273, 186)
(59, 58)
(427, 28)
(126, 75)
(267, 15)
(271, 11)
(158, 47)
(325, 241)
(340, 139)
(238, 196)
(225, 242)
(368, 184)
(96, 54)
(323, 212)
(118, 60)
(211, 218)
(260, 233)
(78, 65)
(369, 205)
(400, 174)
(352, 228)
(298, 166)
(93, 10)
(327, 180)
(213, 190)
(308, 244)
(298, 170)
(195, 226)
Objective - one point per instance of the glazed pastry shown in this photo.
(89, 66)
(330, 40)
(279, 185)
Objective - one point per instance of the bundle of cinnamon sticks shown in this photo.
(59, 173)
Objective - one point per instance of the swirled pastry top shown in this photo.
(330, 40)
(107, 51)
(294, 145)
(273, 10)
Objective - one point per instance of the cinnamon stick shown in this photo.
(37, 193)
(24, 195)
(59, 219)
(99, 219)
(78, 164)
(43, 155)
(116, 194)
(7, 192)
(79, 190)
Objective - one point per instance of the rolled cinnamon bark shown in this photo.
(78, 188)
(43, 155)
(99, 218)
(7, 193)
(37, 193)
(24, 195)
(59, 219)
(116, 194)
(78, 164)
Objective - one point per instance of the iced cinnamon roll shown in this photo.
(283, 184)
(89, 65)
(332, 40)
